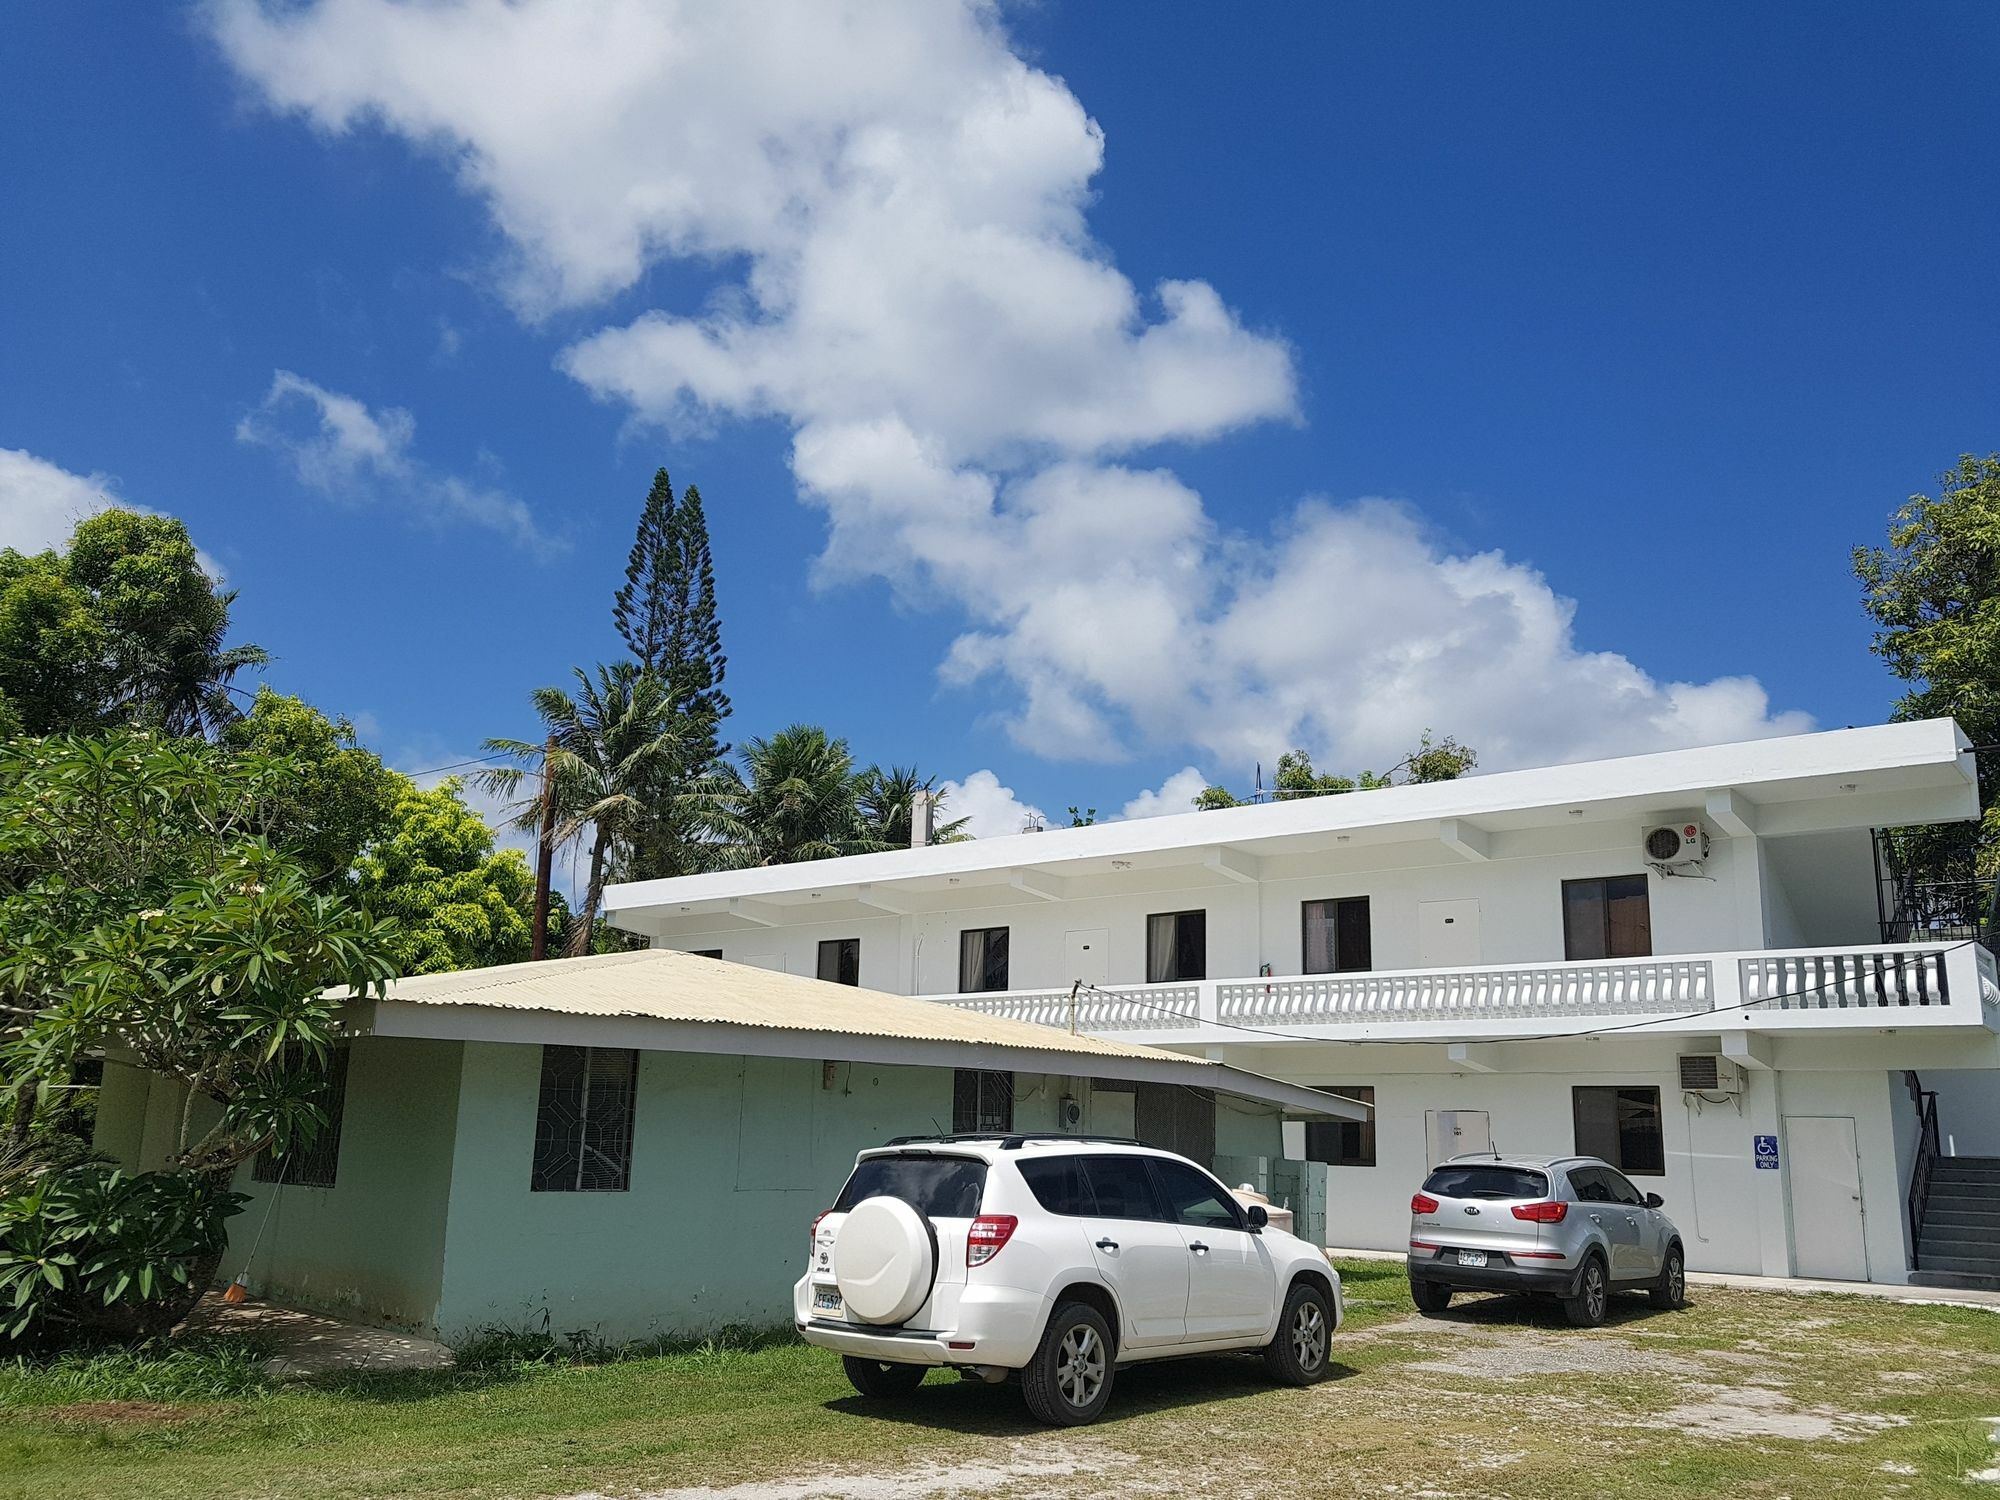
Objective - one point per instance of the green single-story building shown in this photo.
(635, 1144)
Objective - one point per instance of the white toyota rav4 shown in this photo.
(1060, 1257)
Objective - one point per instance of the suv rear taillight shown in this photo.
(987, 1237)
(1541, 1213)
(1421, 1204)
(812, 1234)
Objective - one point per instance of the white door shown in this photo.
(1825, 1177)
(1447, 934)
(1083, 956)
(1457, 1132)
(1232, 1286)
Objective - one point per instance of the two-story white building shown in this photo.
(1684, 962)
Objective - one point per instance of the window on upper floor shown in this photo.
(583, 1120)
(1607, 918)
(1336, 939)
(982, 959)
(1176, 946)
(840, 960)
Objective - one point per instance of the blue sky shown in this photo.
(1005, 447)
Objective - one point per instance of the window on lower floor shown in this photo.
(982, 960)
(314, 1163)
(583, 1120)
(840, 960)
(1336, 938)
(1621, 1126)
(981, 1102)
(1176, 946)
(705, 952)
(1344, 1143)
(1607, 918)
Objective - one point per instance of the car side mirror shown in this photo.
(1257, 1216)
(1654, 1200)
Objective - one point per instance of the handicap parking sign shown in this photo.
(1767, 1152)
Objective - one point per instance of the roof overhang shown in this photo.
(484, 1023)
(1880, 776)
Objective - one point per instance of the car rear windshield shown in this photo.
(938, 1187)
(1486, 1181)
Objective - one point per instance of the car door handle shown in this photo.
(1597, 1218)
(1107, 1244)
(1199, 1248)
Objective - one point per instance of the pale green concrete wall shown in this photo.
(372, 1245)
(731, 1159)
(120, 1129)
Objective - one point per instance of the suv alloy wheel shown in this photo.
(1069, 1379)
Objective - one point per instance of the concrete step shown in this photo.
(1987, 1219)
(1967, 1166)
(1945, 1196)
(1961, 1281)
(1963, 1265)
(1932, 1248)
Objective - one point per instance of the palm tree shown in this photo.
(885, 799)
(794, 799)
(612, 741)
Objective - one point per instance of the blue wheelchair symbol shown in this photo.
(1767, 1152)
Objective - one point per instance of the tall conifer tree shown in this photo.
(665, 613)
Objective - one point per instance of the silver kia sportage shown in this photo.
(1571, 1227)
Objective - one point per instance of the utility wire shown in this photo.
(1127, 998)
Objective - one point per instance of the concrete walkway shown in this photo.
(1800, 1285)
(310, 1344)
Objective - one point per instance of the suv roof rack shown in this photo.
(1013, 1140)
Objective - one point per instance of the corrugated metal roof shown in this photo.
(664, 985)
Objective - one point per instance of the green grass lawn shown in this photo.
(1749, 1394)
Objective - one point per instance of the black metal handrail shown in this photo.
(1928, 1151)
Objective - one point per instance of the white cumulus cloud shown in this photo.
(41, 502)
(1174, 795)
(895, 208)
(339, 446)
(990, 809)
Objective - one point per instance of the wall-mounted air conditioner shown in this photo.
(1676, 846)
(1710, 1073)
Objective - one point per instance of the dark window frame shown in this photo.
(1623, 1094)
(1574, 940)
(846, 955)
(1344, 1143)
(317, 1164)
(1344, 961)
(1162, 1213)
(1178, 950)
(988, 961)
(562, 1161)
(990, 1107)
(1161, 1167)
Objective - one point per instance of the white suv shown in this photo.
(1062, 1257)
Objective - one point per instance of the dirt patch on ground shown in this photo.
(1052, 1470)
(123, 1413)
(1760, 1411)
(1482, 1353)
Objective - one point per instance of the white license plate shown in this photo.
(1472, 1257)
(827, 1298)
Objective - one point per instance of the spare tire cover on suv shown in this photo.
(884, 1260)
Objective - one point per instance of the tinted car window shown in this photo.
(1483, 1180)
(1194, 1197)
(938, 1187)
(1059, 1186)
(1621, 1190)
(1122, 1187)
(1589, 1186)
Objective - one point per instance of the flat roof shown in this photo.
(1880, 775)
(661, 1000)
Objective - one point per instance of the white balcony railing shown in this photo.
(1947, 983)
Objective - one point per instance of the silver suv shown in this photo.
(1571, 1227)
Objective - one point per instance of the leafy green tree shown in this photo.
(1209, 798)
(144, 910)
(339, 797)
(614, 740)
(457, 901)
(665, 613)
(1082, 817)
(885, 800)
(1440, 760)
(123, 627)
(795, 798)
(1934, 595)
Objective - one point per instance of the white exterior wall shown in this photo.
(1520, 911)
(1968, 1111)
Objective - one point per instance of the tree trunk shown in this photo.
(577, 944)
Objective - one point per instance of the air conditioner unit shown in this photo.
(1676, 845)
(1709, 1073)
